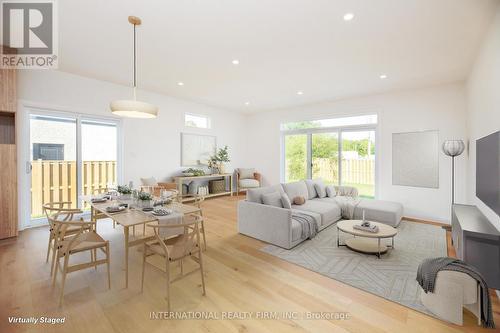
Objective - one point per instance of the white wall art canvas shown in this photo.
(415, 159)
(196, 149)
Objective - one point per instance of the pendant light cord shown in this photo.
(135, 65)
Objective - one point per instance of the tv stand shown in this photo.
(477, 242)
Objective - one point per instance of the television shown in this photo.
(488, 171)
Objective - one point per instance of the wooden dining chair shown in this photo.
(176, 248)
(59, 211)
(195, 200)
(83, 241)
(98, 215)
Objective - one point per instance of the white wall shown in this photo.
(151, 147)
(483, 109)
(439, 107)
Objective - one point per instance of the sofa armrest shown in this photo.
(267, 223)
(347, 191)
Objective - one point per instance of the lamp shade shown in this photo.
(133, 109)
(453, 147)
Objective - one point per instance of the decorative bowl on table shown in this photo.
(115, 209)
(160, 211)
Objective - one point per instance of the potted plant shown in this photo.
(125, 191)
(217, 161)
(145, 199)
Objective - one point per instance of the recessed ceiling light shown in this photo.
(300, 92)
(180, 83)
(235, 62)
(247, 103)
(348, 16)
(383, 76)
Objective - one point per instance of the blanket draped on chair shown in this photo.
(427, 274)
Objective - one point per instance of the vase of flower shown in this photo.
(144, 200)
(125, 192)
(218, 161)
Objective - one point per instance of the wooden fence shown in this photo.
(53, 181)
(354, 171)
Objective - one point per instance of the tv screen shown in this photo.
(488, 171)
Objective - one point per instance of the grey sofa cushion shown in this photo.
(346, 191)
(310, 189)
(382, 211)
(246, 173)
(330, 191)
(320, 188)
(255, 195)
(329, 211)
(272, 199)
(249, 183)
(285, 201)
(296, 189)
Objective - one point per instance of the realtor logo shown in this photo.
(29, 38)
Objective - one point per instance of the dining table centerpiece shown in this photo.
(145, 200)
(125, 192)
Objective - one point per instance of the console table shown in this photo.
(181, 179)
(477, 242)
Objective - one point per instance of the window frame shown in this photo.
(29, 109)
(208, 120)
(337, 129)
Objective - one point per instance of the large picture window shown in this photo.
(341, 151)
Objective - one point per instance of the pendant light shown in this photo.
(133, 108)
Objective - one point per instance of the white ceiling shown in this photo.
(283, 46)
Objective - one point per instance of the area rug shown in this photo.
(391, 277)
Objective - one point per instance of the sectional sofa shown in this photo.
(274, 221)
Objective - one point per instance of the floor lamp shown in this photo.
(453, 148)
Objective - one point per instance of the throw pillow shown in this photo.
(272, 199)
(246, 173)
(330, 191)
(299, 201)
(310, 189)
(149, 181)
(320, 189)
(285, 201)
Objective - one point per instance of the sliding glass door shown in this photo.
(99, 156)
(70, 155)
(53, 147)
(295, 157)
(358, 161)
(339, 156)
(325, 157)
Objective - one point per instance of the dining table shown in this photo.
(131, 217)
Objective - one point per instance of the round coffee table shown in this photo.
(364, 241)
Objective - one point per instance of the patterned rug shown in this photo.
(391, 277)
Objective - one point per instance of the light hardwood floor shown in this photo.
(239, 277)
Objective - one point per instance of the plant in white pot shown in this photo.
(125, 192)
(145, 200)
(217, 161)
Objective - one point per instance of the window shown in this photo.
(341, 151)
(192, 120)
(72, 155)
